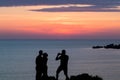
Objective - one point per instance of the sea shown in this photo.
(17, 58)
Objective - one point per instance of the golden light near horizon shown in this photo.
(21, 19)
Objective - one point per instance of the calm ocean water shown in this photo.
(17, 58)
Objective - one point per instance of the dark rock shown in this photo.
(85, 76)
(110, 46)
(48, 78)
(96, 47)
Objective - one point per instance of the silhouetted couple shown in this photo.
(41, 65)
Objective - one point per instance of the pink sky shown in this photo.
(20, 23)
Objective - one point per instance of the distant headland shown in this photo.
(109, 46)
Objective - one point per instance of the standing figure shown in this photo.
(45, 67)
(63, 64)
(39, 65)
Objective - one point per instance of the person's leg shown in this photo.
(66, 73)
(38, 75)
(45, 72)
(58, 71)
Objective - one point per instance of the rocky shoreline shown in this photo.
(109, 46)
(83, 76)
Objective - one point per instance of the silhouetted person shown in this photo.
(63, 64)
(39, 65)
(45, 67)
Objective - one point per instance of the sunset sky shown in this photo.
(60, 19)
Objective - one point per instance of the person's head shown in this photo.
(45, 55)
(63, 52)
(40, 52)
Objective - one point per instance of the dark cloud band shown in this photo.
(99, 5)
(78, 9)
(58, 2)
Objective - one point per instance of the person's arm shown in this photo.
(58, 56)
(36, 60)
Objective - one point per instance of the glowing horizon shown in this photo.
(19, 22)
